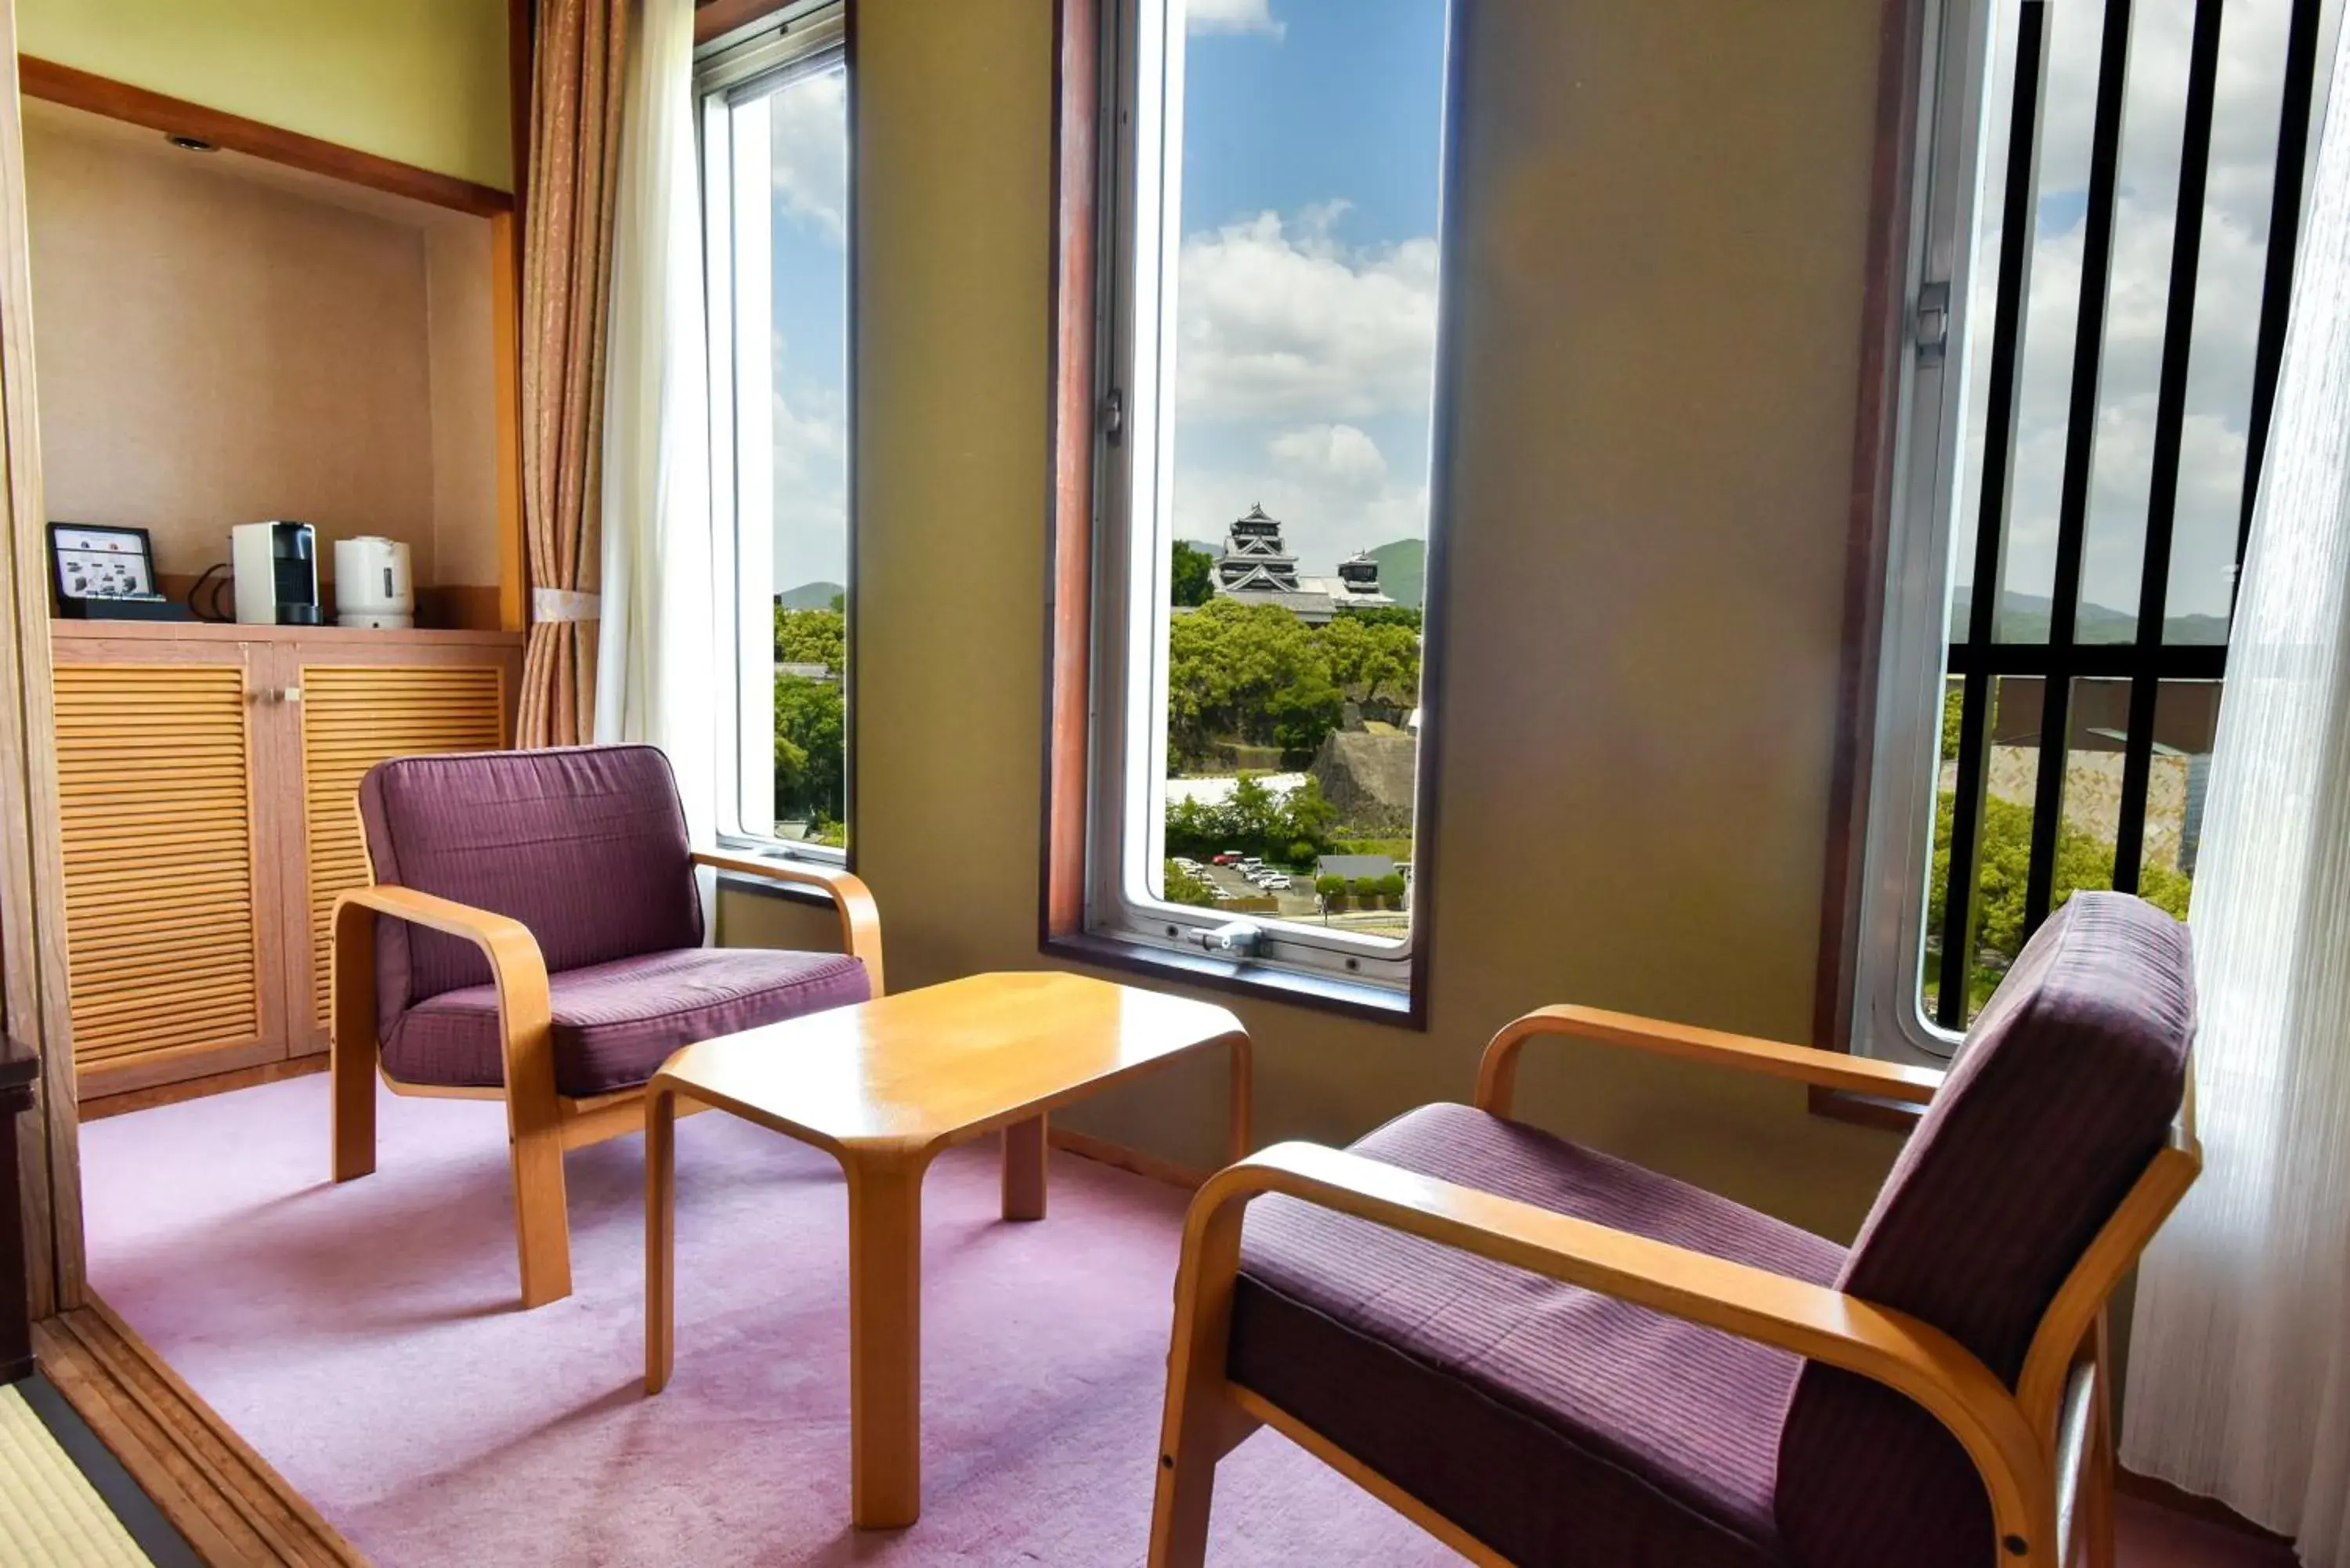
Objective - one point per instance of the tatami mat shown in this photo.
(49, 1513)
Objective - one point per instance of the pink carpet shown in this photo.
(364, 1339)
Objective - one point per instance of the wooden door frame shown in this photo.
(32, 972)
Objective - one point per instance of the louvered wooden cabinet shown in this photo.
(208, 779)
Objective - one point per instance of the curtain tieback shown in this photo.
(563, 604)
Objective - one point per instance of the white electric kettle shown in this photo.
(373, 585)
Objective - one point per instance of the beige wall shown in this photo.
(461, 345)
(220, 341)
(1662, 225)
(421, 81)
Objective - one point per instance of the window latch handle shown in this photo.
(1933, 323)
(1238, 939)
(1113, 416)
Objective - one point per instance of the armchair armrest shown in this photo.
(516, 964)
(860, 918)
(1877, 1343)
(1497, 1073)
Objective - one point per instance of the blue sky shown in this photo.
(809, 213)
(1307, 292)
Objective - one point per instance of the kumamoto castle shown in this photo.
(1257, 568)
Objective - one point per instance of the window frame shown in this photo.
(1099, 769)
(1921, 647)
(764, 56)
(1946, 187)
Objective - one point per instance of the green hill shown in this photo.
(2025, 618)
(1403, 569)
(809, 596)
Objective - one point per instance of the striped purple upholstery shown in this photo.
(587, 847)
(616, 1023)
(2064, 1091)
(1554, 1425)
(584, 844)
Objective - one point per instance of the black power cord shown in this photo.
(211, 608)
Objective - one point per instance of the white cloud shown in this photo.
(2214, 435)
(1340, 454)
(1233, 17)
(810, 481)
(809, 138)
(1277, 320)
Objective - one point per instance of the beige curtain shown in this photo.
(577, 81)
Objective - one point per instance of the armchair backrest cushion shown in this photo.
(585, 845)
(2062, 1094)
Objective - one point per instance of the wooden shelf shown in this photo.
(299, 635)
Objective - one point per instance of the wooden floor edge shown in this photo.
(2194, 1505)
(1104, 1152)
(230, 1504)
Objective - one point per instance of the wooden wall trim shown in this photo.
(715, 18)
(1869, 519)
(505, 359)
(176, 117)
(1069, 523)
(32, 850)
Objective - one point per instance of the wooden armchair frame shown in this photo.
(2045, 1449)
(541, 1123)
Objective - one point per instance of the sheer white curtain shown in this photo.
(2239, 1357)
(661, 640)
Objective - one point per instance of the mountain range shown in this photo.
(2025, 617)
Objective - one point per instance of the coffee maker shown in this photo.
(276, 567)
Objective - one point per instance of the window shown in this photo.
(774, 149)
(2105, 247)
(1270, 279)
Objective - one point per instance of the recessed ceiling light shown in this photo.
(193, 143)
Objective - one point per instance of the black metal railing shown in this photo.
(1978, 660)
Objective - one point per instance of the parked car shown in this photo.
(1275, 882)
(1229, 857)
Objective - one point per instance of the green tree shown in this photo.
(813, 637)
(1252, 814)
(1953, 709)
(1293, 827)
(1193, 578)
(2084, 862)
(1183, 887)
(1382, 614)
(1391, 885)
(811, 724)
(1373, 662)
(1246, 672)
(1331, 889)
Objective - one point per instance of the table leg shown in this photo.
(885, 1340)
(660, 1236)
(1024, 1169)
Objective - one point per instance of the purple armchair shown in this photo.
(1546, 1355)
(534, 934)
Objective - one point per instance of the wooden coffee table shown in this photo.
(883, 1088)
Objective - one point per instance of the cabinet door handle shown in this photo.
(279, 694)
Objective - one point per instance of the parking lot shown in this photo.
(1298, 901)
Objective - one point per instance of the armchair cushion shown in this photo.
(615, 1023)
(1552, 1424)
(2061, 1096)
(585, 845)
